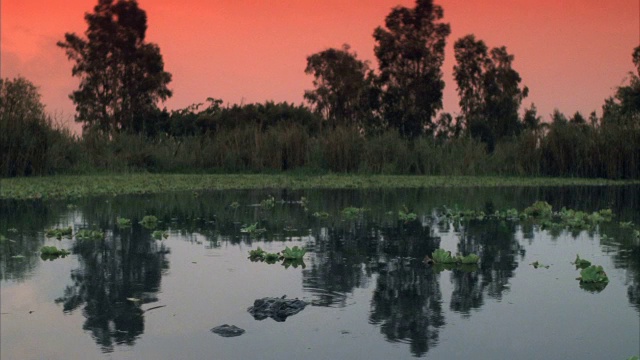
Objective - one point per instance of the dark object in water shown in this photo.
(276, 308)
(227, 330)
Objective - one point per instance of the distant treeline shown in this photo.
(282, 137)
(356, 118)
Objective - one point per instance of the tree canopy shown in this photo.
(410, 53)
(489, 90)
(344, 91)
(122, 77)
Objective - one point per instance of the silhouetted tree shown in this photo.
(623, 108)
(344, 93)
(410, 53)
(488, 86)
(122, 77)
(24, 129)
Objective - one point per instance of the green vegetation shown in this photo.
(123, 222)
(85, 234)
(149, 221)
(406, 216)
(78, 186)
(581, 263)
(443, 257)
(593, 274)
(289, 256)
(294, 253)
(539, 209)
(352, 212)
(268, 203)
(59, 233)
(320, 214)
(52, 252)
(536, 264)
(159, 234)
(252, 229)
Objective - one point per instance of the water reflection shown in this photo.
(116, 277)
(119, 277)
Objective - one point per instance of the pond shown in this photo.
(154, 289)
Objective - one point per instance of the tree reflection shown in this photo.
(407, 301)
(116, 276)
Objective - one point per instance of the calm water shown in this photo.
(370, 294)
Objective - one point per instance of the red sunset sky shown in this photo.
(570, 53)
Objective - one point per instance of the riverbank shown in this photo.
(50, 187)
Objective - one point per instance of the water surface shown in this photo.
(371, 295)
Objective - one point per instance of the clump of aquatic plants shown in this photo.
(252, 229)
(320, 214)
(123, 222)
(581, 263)
(86, 234)
(149, 222)
(352, 212)
(536, 264)
(443, 257)
(58, 233)
(593, 279)
(257, 254)
(593, 274)
(539, 210)
(289, 256)
(294, 253)
(268, 203)
(406, 216)
(52, 252)
(159, 234)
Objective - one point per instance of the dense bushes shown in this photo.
(282, 137)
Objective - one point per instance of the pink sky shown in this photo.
(570, 53)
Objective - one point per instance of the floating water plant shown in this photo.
(294, 253)
(539, 209)
(252, 229)
(261, 255)
(351, 212)
(445, 260)
(593, 274)
(85, 234)
(469, 259)
(59, 233)
(271, 258)
(268, 203)
(52, 252)
(123, 222)
(149, 221)
(257, 254)
(320, 214)
(626, 224)
(441, 256)
(406, 216)
(581, 263)
(536, 264)
(234, 205)
(159, 234)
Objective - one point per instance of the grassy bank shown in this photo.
(90, 185)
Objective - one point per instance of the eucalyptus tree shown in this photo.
(410, 53)
(122, 76)
(489, 90)
(623, 108)
(344, 91)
